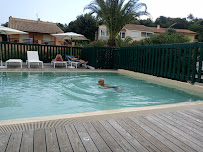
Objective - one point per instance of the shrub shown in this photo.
(125, 42)
(164, 38)
(100, 43)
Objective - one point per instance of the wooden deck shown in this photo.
(178, 131)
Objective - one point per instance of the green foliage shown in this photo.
(62, 26)
(178, 23)
(5, 24)
(99, 43)
(115, 14)
(125, 42)
(198, 27)
(170, 31)
(85, 25)
(148, 22)
(163, 38)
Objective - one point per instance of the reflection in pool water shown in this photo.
(41, 94)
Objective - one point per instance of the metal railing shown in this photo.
(46, 52)
(182, 62)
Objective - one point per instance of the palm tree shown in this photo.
(115, 14)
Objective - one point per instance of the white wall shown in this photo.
(134, 34)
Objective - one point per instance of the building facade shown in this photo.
(39, 32)
(139, 32)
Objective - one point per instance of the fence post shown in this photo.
(200, 64)
(116, 58)
(194, 64)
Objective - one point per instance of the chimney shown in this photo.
(38, 20)
(158, 27)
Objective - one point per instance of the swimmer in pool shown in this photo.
(101, 83)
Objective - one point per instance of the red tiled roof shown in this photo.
(163, 30)
(33, 26)
(137, 27)
(154, 29)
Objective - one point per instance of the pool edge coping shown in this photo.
(196, 90)
(124, 111)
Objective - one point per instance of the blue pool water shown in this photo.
(25, 95)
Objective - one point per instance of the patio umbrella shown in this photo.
(7, 31)
(70, 36)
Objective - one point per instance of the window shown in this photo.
(122, 34)
(149, 34)
(143, 34)
(107, 34)
(134, 34)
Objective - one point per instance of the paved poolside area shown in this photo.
(48, 67)
(179, 129)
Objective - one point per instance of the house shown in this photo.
(139, 32)
(39, 31)
(136, 32)
(185, 32)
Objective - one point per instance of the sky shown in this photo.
(65, 11)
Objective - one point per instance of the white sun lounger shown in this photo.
(14, 61)
(33, 57)
(59, 62)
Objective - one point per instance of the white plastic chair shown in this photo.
(33, 57)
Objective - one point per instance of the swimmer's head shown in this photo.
(101, 81)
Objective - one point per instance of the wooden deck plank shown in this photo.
(14, 142)
(99, 142)
(197, 112)
(194, 112)
(134, 142)
(154, 133)
(85, 138)
(51, 140)
(199, 143)
(187, 118)
(182, 128)
(148, 136)
(75, 141)
(184, 121)
(166, 133)
(194, 115)
(63, 140)
(113, 145)
(39, 140)
(182, 124)
(27, 141)
(119, 139)
(137, 136)
(4, 138)
(178, 136)
(198, 121)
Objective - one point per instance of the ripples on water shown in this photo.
(41, 94)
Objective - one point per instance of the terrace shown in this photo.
(173, 127)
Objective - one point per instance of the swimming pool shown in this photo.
(24, 95)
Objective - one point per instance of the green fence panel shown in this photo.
(184, 67)
(200, 64)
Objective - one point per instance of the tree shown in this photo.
(198, 27)
(190, 17)
(84, 24)
(146, 22)
(62, 26)
(115, 14)
(5, 24)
